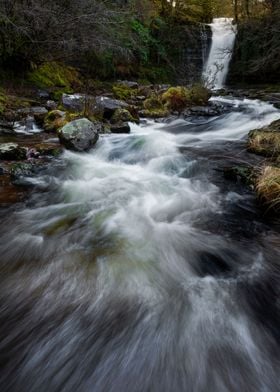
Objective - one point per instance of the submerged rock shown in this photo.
(80, 135)
(12, 151)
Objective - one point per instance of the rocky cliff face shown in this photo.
(192, 53)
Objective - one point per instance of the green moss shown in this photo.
(176, 98)
(55, 120)
(199, 95)
(154, 108)
(155, 113)
(55, 75)
(153, 103)
(121, 115)
(123, 92)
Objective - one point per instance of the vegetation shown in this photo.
(268, 187)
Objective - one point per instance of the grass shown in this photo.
(264, 142)
(268, 187)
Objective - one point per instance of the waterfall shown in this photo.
(223, 39)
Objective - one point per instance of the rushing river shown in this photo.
(137, 267)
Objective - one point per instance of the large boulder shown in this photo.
(12, 152)
(80, 135)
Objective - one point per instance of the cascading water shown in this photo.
(217, 66)
(135, 268)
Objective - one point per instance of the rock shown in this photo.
(120, 128)
(74, 102)
(39, 115)
(54, 120)
(42, 94)
(128, 84)
(108, 106)
(12, 151)
(121, 115)
(6, 127)
(18, 170)
(38, 112)
(48, 149)
(80, 135)
(51, 105)
(140, 98)
(239, 173)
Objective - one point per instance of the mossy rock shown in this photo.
(199, 95)
(153, 103)
(243, 174)
(21, 169)
(55, 75)
(122, 115)
(176, 98)
(123, 92)
(55, 120)
(154, 113)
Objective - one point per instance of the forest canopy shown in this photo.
(107, 38)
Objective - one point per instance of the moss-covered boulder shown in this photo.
(12, 152)
(55, 120)
(154, 108)
(122, 115)
(176, 98)
(199, 95)
(265, 141)
(80, 135)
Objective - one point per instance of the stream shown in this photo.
(139, 267)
